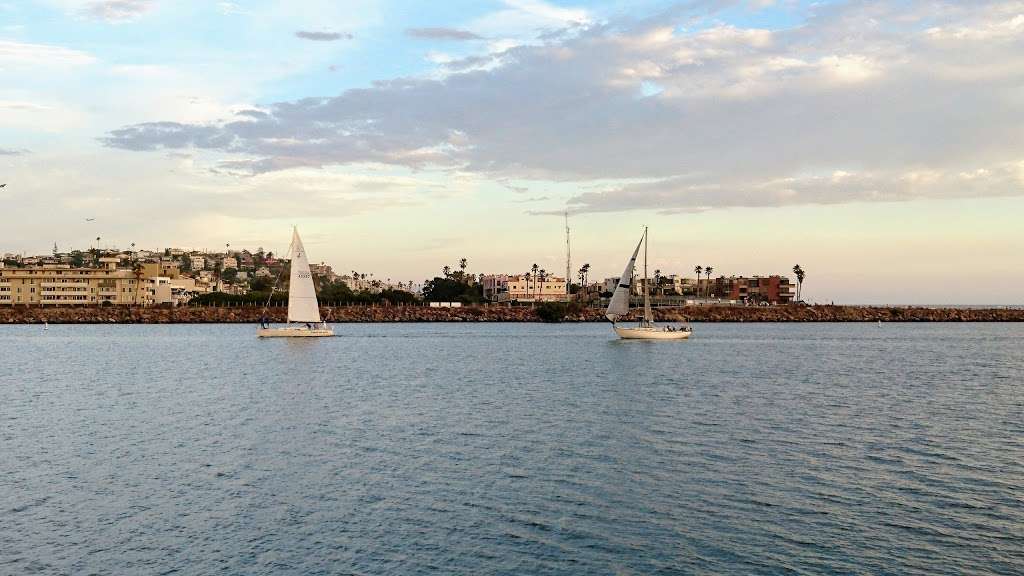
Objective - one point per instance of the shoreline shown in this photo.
(494, 313)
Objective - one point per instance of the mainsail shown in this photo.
(302, 304)
(619, 306)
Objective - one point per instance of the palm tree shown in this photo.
(137, 270)
(447, 271)
(707, 272)
(799, 272)
(657, 280)
(541, 275)
(699, 270)
(534, 269)
(462, 266)
(586, 273)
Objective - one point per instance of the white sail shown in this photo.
(619, 306)
(302, 304)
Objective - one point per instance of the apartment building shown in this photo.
(768, 289)
(530, 288)
(167, 268)
(494, 285)
(62, 285)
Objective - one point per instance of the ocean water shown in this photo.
(513, 449)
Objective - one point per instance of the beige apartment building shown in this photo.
(61, 285)
(529, 288)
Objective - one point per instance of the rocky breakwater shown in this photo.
(838, 314)
(251, 314)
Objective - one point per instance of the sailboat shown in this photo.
(619, 307)
(303, 309)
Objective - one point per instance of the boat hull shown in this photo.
(650, 333)
(294, 332)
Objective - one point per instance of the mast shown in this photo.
(648, 316)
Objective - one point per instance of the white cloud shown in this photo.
(116, 11)
(717, 117)
(22, 55)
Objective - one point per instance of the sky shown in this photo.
(880, 145)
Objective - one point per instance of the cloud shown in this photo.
(322, 36)
(13, 151)
(441, 34)
(20, 54)
(696, 194)
(739, 116)
(117, 10)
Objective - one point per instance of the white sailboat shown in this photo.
(303, 309)
(619, 307)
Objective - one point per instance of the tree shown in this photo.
(259, 284)
(447, 271)
(799, 272)
(229, 275)
(451, 290)
(542, 275)
(137, 270)
(657, 280)
(707, 272)
(554, 311)
(699, 270)
(534, 269)
(186, 263)
(462, 265)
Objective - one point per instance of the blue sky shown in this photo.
(863, 140)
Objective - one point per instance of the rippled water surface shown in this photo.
(512, 449)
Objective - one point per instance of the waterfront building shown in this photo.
(494, 285)
(323, 272)
(168, 268)
(62, 285)
(773, 289)
(529, 288)
(679, 285)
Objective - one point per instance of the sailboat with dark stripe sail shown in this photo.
(303, 309)
(618, 308)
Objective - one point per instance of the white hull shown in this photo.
(650, 333)
(296, 332)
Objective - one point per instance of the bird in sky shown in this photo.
(90, 219)
(3, 185)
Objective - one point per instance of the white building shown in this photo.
(494, 285)
(197, 262)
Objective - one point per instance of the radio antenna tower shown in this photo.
(568, 260)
